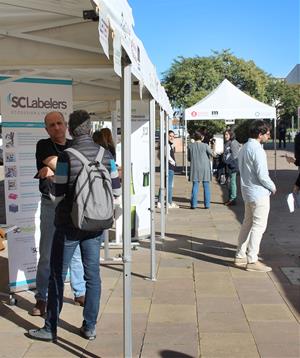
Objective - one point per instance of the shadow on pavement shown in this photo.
(173, 354)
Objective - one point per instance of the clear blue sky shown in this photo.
(265, 31)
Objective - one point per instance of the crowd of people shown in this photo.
(250, 162)
(64, 246)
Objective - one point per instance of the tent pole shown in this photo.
(162, 175)
(114, 126)
(126, 170)
(152, 188)
(275, 149)
(167, 153)
(185, 147)
(182, 145)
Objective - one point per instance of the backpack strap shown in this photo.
(100, 155)
(83, 159)
(78, 155)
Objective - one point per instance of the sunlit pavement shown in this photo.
(200, 305)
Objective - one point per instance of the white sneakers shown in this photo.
(170, 206)
(240, 262)
(173, 206)
(253, 266)
(258, 267)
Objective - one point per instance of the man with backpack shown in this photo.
(47, 152)
(77, 221)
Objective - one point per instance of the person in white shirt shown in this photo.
(256, 187)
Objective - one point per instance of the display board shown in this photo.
(140, 169)
(24, 104)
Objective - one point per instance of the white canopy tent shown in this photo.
(51, 39)
(228, 102)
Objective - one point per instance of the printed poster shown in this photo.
(24, 104)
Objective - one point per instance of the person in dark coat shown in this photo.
(230, 159)
(199, 155)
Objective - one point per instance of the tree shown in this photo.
(190, 79)
(286, 98)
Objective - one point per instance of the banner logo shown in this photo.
(27, 102)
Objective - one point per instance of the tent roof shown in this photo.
(51, 39)
(293, 78)
(229, 102)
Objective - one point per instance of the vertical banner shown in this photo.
(103, 28)
(24, 104)
(117, 54)
(140, 170)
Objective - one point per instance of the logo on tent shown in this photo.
(194, 114)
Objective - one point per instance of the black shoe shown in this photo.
(39, 309)
(192, 207)
(42, 334)
(89, 334)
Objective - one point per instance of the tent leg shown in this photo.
(152, 187)
(162, 176)
(275, 150)
(126, 170)
(185, 147)
(167, 162)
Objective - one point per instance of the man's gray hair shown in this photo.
(80, 123)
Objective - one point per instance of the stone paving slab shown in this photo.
(199, 306)
(223, 322)
(171, 313)
(229, 345)
(278, 350)
(268, 312)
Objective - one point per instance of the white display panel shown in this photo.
(24, 104)
(140, 164)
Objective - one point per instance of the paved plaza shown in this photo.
(200, 305)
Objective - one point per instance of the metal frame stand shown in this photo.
(126, 169)
(162, 177)
(152, 189)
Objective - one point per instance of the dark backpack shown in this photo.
(92, 208)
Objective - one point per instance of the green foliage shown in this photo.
(190, 79)
(212, 127)
(241, 129)
(285, 98)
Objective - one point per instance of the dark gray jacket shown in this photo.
(199, 154)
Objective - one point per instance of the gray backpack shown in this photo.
(92, 208)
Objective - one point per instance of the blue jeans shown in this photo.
(232, 187)
(64, 244)
(76, 274)
(206, 190)
(170, 185)
(43, 269)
